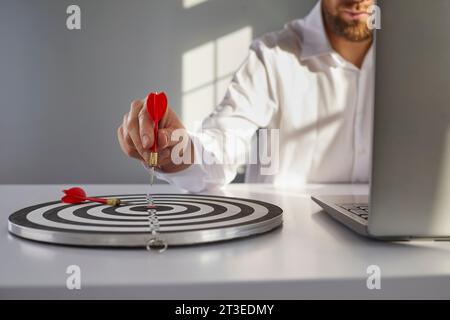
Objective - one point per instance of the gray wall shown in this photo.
(63, 93)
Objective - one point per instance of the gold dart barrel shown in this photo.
(113, 202)
(116, 202)
(153, 160)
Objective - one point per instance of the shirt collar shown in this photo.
(311, 30)
(314, 39)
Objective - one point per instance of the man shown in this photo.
(313, 81)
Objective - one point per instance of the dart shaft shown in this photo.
(111, 202)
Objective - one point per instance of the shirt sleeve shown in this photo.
(223, 142)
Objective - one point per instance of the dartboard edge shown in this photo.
(174, 233)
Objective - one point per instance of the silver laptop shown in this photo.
(410, 184)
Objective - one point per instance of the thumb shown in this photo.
(168, 137)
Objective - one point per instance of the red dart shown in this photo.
(77, 195)
(156, 108)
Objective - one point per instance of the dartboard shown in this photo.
(183, 219)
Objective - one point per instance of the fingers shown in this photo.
(132, 127)
(166, 137)
(145, 129)
(136, 135)
(166, 164)
(125, 131)
(164, 157)
(125, 141)
(128, 149)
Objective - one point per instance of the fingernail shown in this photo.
(145, 141)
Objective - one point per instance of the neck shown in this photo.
(353, 52)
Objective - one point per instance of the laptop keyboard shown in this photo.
(361, 210)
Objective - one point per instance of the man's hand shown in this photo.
(136, 137)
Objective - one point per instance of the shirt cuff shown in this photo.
(192, 178)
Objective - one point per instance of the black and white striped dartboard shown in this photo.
(184, 219)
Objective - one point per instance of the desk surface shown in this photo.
(311, 256)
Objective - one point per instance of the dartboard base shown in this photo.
(184, 220)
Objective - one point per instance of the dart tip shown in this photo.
(152, 176)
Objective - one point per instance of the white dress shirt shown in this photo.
(322, 105)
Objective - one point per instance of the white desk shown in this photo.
(311, 256)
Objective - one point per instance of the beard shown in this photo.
(355, 31)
